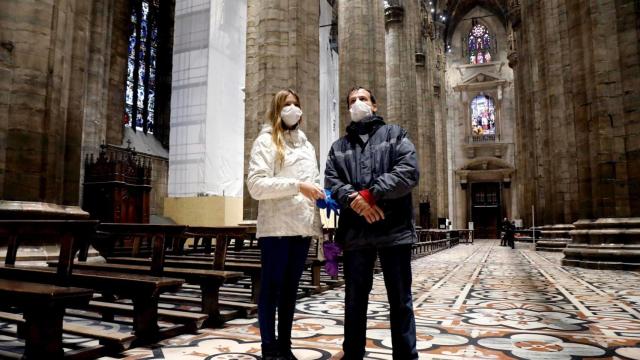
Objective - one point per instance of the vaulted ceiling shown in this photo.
(457, 9)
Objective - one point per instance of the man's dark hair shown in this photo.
(356, 88)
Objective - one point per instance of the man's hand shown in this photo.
(362, 208)
(311, 191)
(358, 204)
(373, 214)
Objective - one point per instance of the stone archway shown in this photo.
(484, 187)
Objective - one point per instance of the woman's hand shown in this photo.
(311, 191)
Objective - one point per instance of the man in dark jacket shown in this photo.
(371, 171)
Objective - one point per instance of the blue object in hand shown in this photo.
(328, 203)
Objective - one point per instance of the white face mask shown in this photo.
(290, 115)
(360, 110)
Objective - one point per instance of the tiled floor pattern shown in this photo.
(479, 301)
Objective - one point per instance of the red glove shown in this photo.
(368, 197)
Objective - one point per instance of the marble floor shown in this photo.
(478, 301)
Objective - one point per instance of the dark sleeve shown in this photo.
(404, 172)
(340, 190)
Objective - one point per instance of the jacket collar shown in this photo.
(294, 137)
(367, 126)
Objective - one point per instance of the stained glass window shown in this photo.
(483, 115)
(141, 66)
(479, 45)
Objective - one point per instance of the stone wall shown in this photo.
(577, 78)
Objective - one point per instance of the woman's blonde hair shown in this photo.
(277, 125)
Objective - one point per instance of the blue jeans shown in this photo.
(358, 273)
(283, 259)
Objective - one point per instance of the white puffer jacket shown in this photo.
(282, 209)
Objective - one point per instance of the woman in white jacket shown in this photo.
(284, 177)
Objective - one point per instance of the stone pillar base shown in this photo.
(606, 243)
(554, 237)
(38, 250)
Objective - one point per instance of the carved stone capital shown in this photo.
(393, 14)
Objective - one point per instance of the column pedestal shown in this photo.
(606, 243)
(554, 237)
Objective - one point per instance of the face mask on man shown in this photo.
(360, 110)
(290, 115)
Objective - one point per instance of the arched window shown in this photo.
(479, 45)
(141, 69)
(483, 117)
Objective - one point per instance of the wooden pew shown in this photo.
(144, 290)
(158, 237)
(229, 259)
(43, 308)
(43, 305)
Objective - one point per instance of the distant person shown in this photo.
(503, 229)
(284, 177)
(508, 233)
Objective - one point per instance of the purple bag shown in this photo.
(331, 252)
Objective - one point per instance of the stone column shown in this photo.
(95, 112)
(48, 53)
(7, 70)
(117, 76)
(608, 160)
(77, 102)
(400, 21)
(440, 120)
(579, 63)
(425, 142)
(282, 52)
(362, 52)
(560, 122)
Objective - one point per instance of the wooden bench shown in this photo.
(43, 305)
(251, 269)
(209, 281)
(250, 265)
(158, 237)
(114, 341)
(143, 290)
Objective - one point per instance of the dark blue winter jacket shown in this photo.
(379, 157)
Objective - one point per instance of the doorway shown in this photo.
(485, 209)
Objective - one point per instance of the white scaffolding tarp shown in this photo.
(206, 153)
(329, 96)
(207, 105)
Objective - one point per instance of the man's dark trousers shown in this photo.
(358, 272)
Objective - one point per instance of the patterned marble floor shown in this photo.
(479, 301)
